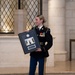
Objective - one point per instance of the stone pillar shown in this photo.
(56, 22)
(19, 21)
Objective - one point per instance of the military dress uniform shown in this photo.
(46, 41)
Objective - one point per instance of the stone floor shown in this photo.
(60, 68)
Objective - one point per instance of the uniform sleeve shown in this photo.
(49, 40)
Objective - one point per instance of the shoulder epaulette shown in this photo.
(47, 29)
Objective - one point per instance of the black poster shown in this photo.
(29, 41)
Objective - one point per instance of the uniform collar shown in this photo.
(40, 27)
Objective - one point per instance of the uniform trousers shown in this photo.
(33, 64)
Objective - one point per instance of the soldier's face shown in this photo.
(38, 21)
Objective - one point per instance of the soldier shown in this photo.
(46, 42)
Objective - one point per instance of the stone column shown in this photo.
(56, 22)
(19, 21)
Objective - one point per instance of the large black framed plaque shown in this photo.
(29, 41)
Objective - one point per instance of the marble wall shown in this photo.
(60, 18)
(12, 55)
(11, 52)
(70, 25)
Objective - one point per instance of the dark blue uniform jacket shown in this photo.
(46, 42)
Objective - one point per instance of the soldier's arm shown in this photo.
(49, 40)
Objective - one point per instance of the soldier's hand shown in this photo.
(38, 50)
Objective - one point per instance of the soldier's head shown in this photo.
(39, 20)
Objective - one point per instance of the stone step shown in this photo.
(45, 74)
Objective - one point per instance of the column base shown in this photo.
(60, 55)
